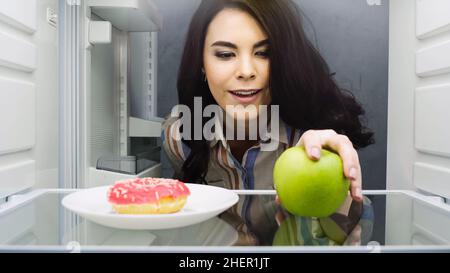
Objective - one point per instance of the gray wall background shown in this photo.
(352, 36)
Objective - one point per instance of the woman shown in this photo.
(255, 52)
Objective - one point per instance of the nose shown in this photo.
(246, 70)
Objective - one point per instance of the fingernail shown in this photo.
(315, 152)
(352, 173)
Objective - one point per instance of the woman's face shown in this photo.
(236, 60)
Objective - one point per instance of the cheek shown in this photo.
(217, 84)
(219, 76)
(219, 73)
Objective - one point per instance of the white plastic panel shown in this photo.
(398, 220)
(419, 96)
(431, 224)
(100, 178)
(28, 96)
(434, 60)
(140, 238)
(16, 225)
(433, 17)
(143, 77)
(100, 32)
(418, 239)
(432, 178)
(124, 111)
(103, 100)
(128, 15)
(16, 53)
(402, 83)
(17, 115)
(144, 128)
(47, 99)
(432, 119)
(17, 177)
(20, 14)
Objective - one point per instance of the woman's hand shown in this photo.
(315, 140)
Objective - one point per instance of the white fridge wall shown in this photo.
(105, 87)
(28, 96)
(143, 61)
(47, 99)
(104, 95)
(21, 14)
(418, 117)
(107, 93)
(419, 96)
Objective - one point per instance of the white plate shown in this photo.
(204, 203)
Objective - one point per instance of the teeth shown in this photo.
(246, 93)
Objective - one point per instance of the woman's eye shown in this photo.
(224, 55)
(264, 54)
(228, 55)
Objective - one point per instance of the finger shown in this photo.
(313, 144)
(356, 188)
(353, 173)
(343, 146)
(279, 217)
(277, 200)
(350, 161)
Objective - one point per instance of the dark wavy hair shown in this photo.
(300, 79)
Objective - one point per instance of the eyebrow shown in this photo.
(231, 45)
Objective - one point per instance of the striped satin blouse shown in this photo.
(255, 170)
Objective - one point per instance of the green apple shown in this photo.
(310, 188)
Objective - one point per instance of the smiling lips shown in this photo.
(248, 93)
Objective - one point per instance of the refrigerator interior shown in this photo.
(65, 76)
(78, 109)
(110, 143)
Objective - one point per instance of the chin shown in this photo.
(241, 112)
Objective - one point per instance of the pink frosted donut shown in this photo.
(148, 196)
